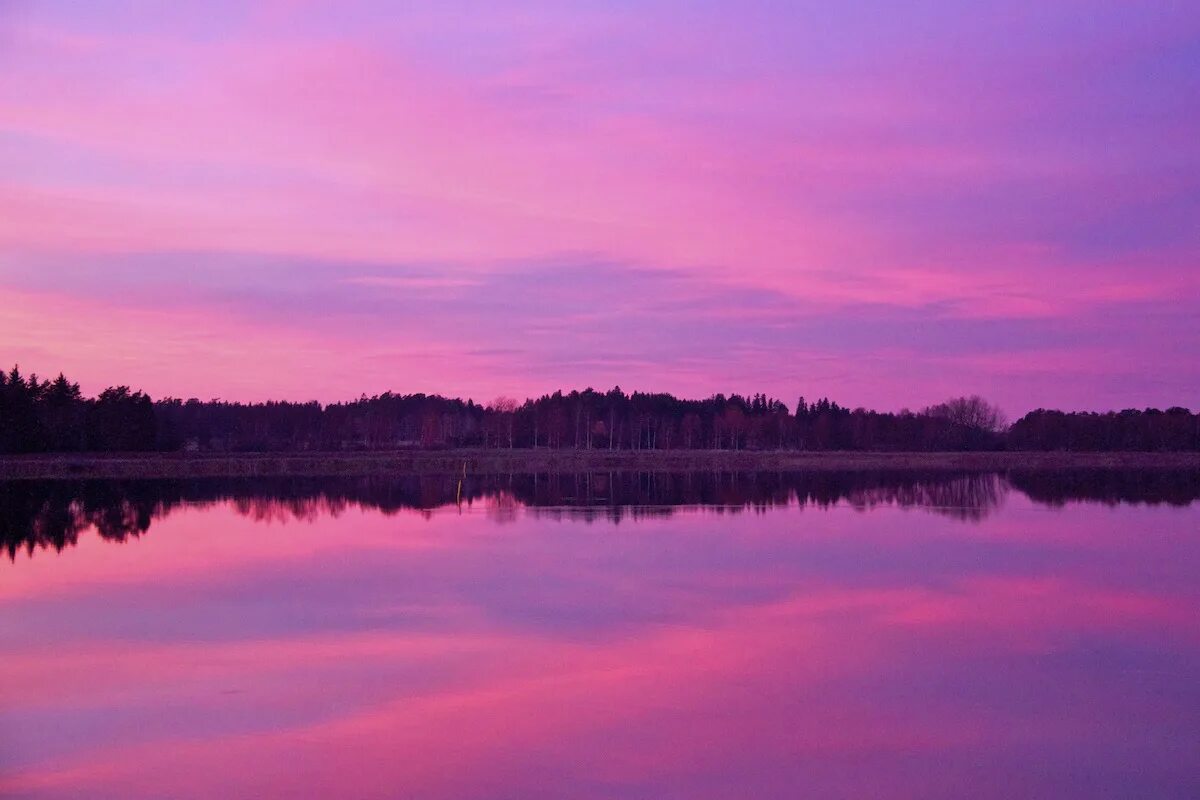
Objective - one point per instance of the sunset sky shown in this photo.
(885, 205)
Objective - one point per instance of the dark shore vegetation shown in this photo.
(420, 432)
(471, 462)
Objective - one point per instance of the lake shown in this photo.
(607, 635)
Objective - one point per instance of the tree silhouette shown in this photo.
(54, 416)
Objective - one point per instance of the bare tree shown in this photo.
(971, 412)
(505, 409)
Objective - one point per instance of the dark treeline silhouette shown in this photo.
(1150, 430)
(53, 416)
(36, 515)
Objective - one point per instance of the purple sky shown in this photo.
(883, 205)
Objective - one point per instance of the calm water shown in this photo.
(628, 636)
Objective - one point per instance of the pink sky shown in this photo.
(316, 199)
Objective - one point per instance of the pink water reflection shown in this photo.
(795, 653)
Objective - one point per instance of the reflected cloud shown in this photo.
(693, 656)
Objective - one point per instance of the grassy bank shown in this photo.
(448, 462)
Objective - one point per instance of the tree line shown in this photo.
(39, 415)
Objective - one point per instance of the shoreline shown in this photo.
(500, 461)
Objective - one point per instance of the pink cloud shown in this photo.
(915, 175)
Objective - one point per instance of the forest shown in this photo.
(47, 416)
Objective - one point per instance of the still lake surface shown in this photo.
(832, 635)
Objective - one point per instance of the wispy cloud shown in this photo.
(850, 182)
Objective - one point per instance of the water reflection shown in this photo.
(36, 515)
(1108, 486)
(834, 645)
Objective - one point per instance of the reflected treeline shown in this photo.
(970, 496)
(616, 496)
(1110, 486)
(38, 515)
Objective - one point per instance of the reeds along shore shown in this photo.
(494, 461)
